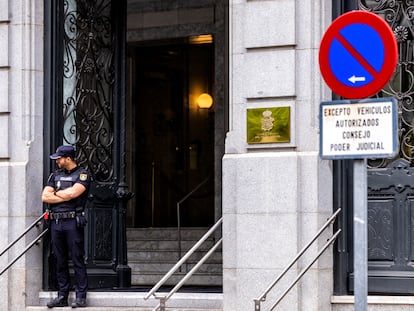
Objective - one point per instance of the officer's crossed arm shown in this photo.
(72, 192)
(50, 196)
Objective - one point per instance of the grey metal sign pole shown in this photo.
(359, 143)
(360, 235)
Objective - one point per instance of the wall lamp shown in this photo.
(205, 101)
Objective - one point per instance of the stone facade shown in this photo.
(21, 145)
(276, 195)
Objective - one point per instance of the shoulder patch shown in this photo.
(83, 177)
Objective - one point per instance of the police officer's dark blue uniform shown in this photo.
(66, 192)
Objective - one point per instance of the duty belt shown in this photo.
(62, 215)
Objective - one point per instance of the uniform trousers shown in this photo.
(68, 239)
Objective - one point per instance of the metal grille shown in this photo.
(400, 16)
(88, 82)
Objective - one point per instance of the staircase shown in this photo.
(152, 252)
(134, 300)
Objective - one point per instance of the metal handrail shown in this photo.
(35, 223)
(330, 241)
(163, 299)
(262, 297)
(178, 212)
(35, 241)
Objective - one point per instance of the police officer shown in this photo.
(66, 192)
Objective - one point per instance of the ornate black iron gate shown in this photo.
(391, 228)
(390, 181)
(84, 107)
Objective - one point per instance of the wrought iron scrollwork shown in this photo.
(88, 69)
(399, 14)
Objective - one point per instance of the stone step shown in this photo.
(165, 233)
(152, 252)
(145, 279)
(151, 270)
(167, 244)
(165, 267)
(118, 309)
(169, 256)
(125, 301)
(374, 303)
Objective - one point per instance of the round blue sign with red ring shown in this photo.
(358, 54)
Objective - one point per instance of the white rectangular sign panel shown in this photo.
(358, 129)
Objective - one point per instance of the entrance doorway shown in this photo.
(170, 139)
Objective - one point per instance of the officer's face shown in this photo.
(62, 162)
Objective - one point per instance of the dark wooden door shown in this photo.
(391, 228)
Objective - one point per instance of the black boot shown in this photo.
(60, 301)
(79, 303)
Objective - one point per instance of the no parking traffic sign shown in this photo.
(358, 54)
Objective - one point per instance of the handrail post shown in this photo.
(179, 216)
(256, 305)
(179, 231)
(152, 193)
(162, 304)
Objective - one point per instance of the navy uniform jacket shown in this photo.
(62, 179)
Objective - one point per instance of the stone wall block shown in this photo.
(4, 43)
(4, 138)
(4, 91)
(269, 23)
(269, 73)
(4, 10)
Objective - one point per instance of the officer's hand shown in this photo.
(81, 221)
